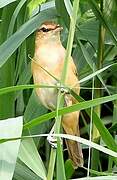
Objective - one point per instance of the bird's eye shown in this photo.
(44, 29)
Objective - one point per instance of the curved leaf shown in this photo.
(9, 46)
(5, 2)
(29, 155)
(9, 151)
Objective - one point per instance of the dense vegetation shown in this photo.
(90, 35)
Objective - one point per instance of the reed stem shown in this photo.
(60, 100)
(98, 92)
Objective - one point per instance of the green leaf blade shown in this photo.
(9, 150)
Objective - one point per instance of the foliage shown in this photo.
(90, 36)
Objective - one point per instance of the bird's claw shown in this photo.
(53, 141)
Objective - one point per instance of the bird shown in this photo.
(47, 63)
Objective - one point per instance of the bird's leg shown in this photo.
(52, 139)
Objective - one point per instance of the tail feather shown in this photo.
(70, 125)
(75, 153)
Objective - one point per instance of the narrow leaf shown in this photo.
(9, 150)
(9, 46)
(68, 6)
(5, 2)
(29, 155)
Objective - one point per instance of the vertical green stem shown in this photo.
(91, 126)
(98, 92)
(56, 130)
(114, 121)
(114, 83)
(60, 100)
(70, 40)
(51, 164)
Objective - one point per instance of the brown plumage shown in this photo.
(50, 54)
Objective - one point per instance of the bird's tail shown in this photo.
(70, 125)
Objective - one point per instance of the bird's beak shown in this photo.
(59, 28)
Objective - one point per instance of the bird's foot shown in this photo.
(53, 141)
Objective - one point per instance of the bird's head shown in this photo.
(48, 31)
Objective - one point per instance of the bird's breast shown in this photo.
(50, 56)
